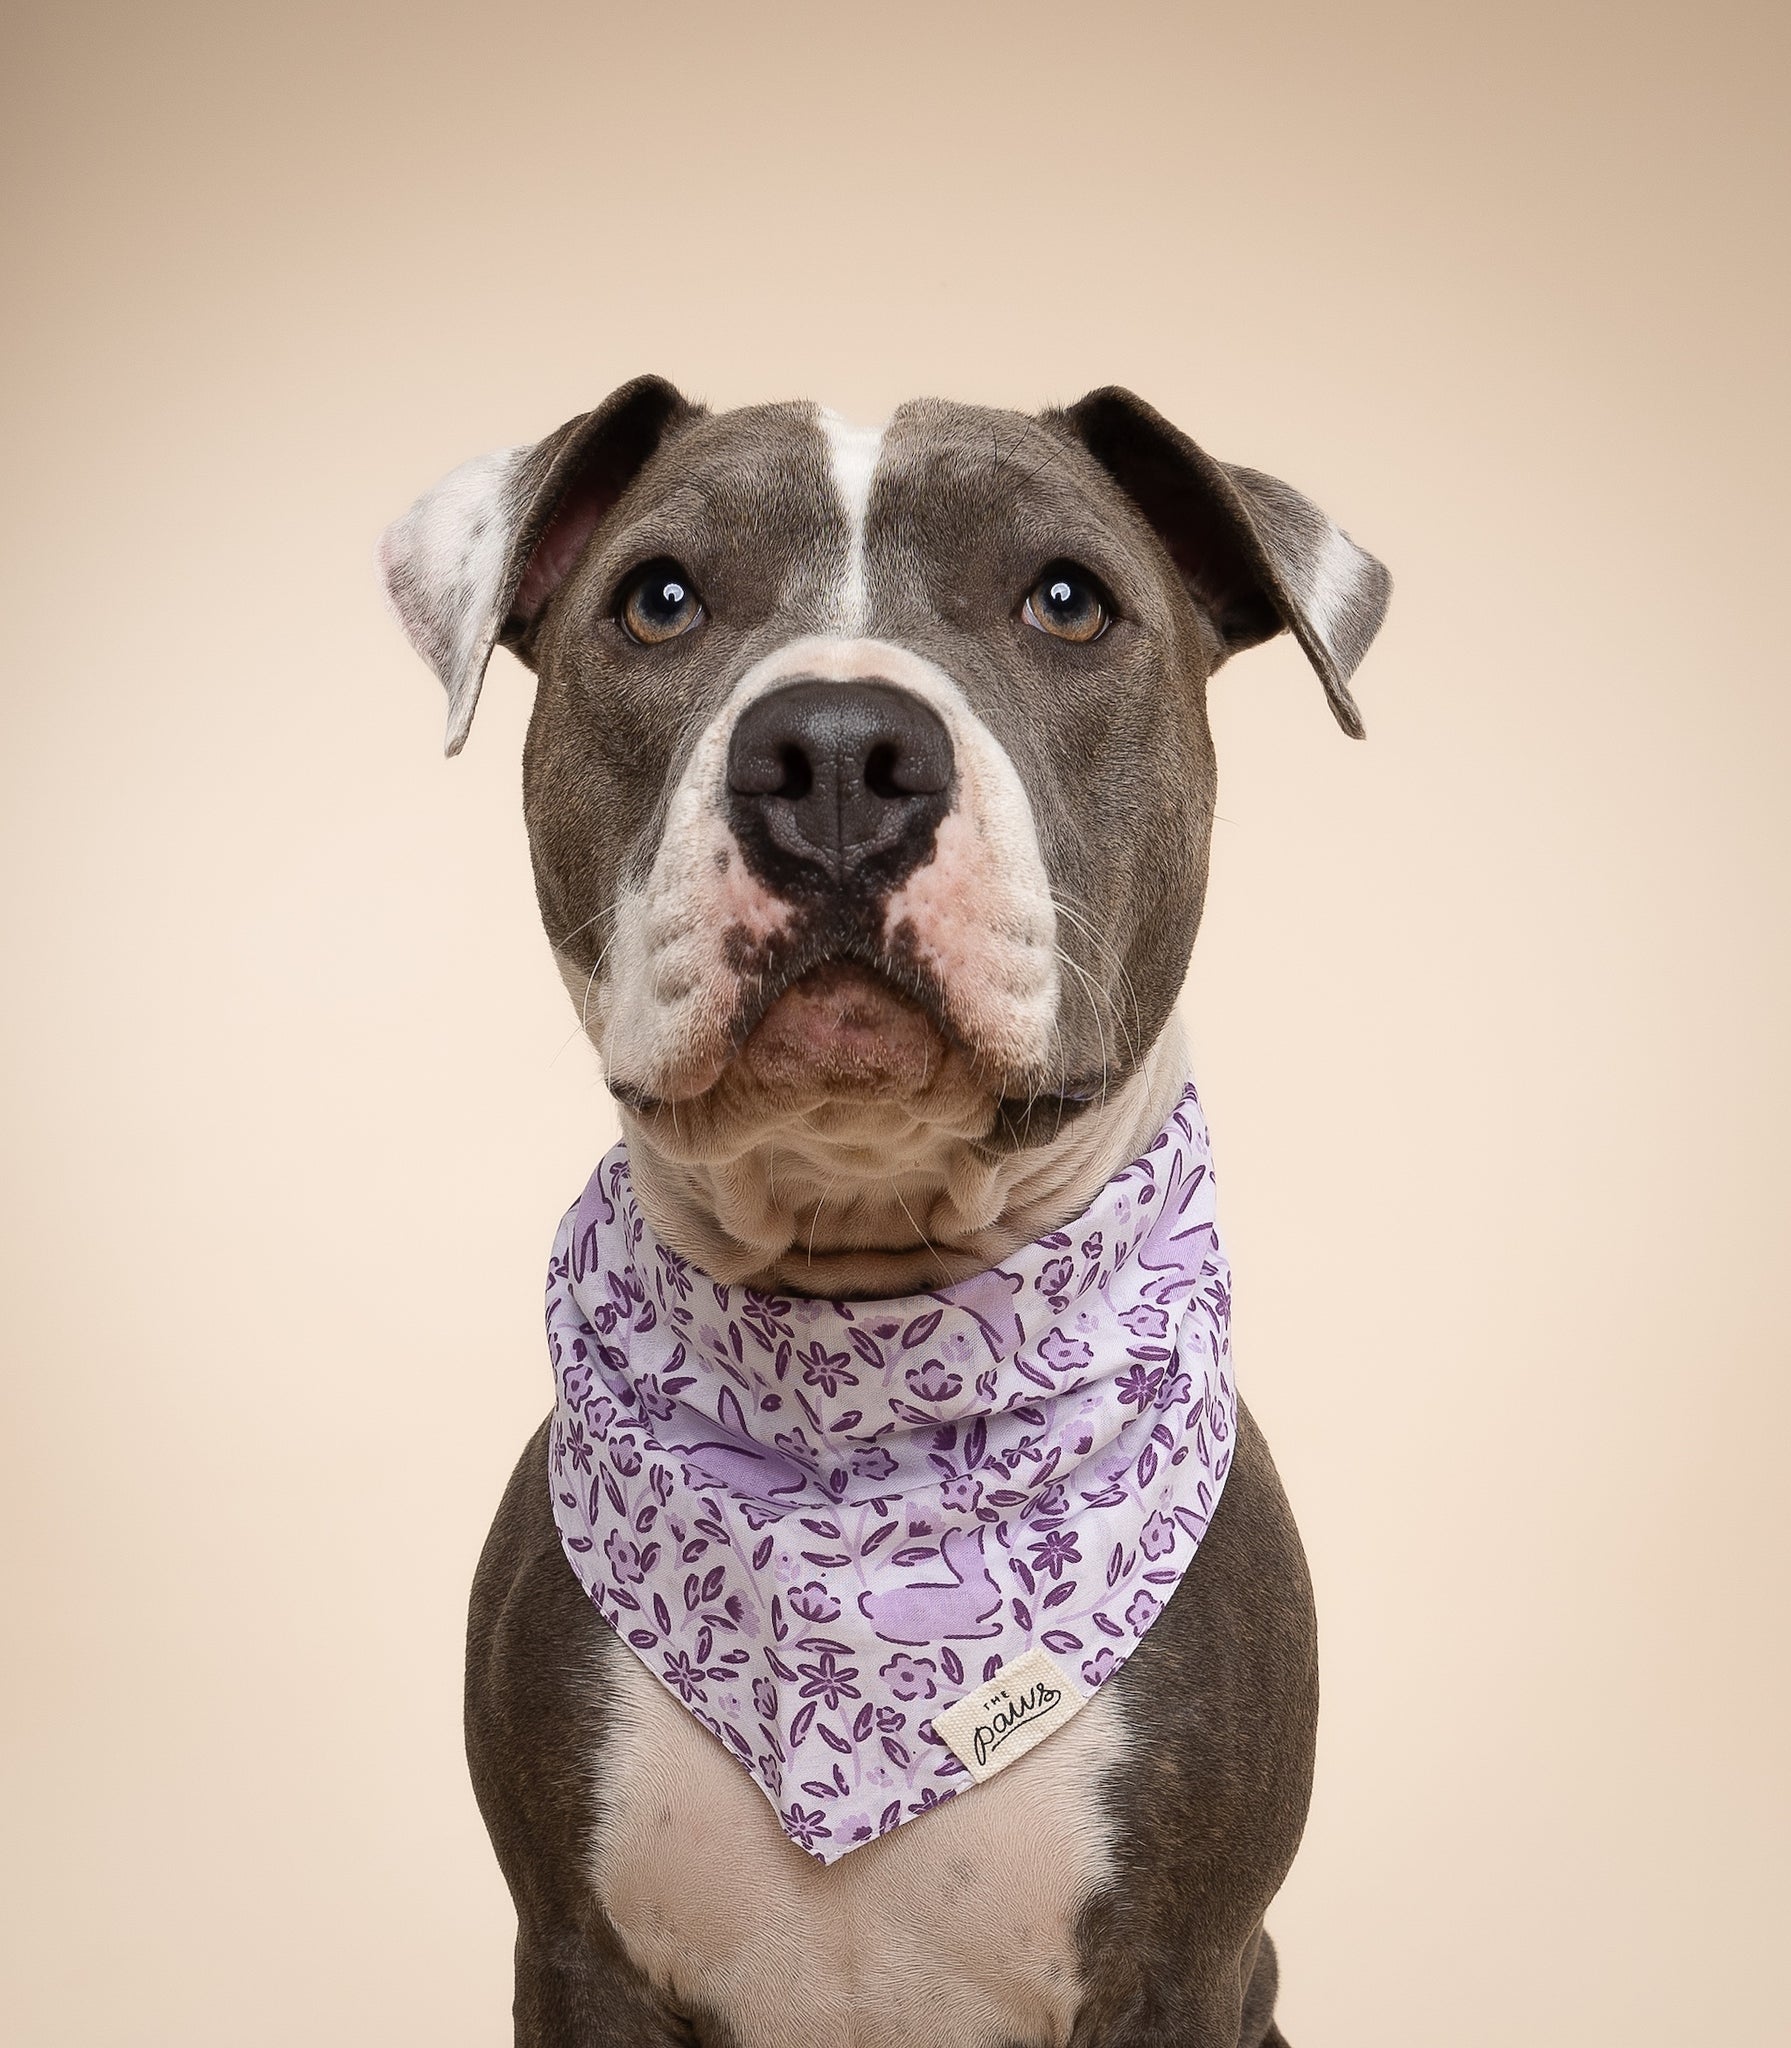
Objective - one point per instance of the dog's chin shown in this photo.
(842, 1030)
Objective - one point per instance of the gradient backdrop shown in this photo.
(1490, 1014)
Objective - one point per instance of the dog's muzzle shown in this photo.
(835, 790)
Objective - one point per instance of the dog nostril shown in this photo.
(798, 773)
(880, 773)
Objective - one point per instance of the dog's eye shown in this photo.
(1066, 602)
(658, 603)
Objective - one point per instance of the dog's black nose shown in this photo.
(837, 785)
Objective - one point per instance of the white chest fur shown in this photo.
(955, 1931)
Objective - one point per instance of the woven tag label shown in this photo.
(1023, 1703)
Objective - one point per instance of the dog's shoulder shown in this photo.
(534, 1691)
(1220, 1703)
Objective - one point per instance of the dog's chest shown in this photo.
(958, 1930)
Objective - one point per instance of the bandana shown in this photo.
(879, 1549)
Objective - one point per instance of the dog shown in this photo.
(869, 789)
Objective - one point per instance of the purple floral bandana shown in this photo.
(823, 1523)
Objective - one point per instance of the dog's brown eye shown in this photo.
(658, 603)
(1066, 602)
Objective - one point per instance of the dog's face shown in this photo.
(869, 783)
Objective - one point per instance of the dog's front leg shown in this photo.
(1224, 2001)
(580, 1999)
(535, 1706)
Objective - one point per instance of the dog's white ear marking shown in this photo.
(852, 453)
(1332, 594)
(477, 558)
(443, 567)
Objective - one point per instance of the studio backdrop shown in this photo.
(1489, 1012)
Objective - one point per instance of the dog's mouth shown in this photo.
(848, 1029)
(850, 1023)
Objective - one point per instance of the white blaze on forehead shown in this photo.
(853, 453)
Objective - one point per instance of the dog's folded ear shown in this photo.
(1255, 554)
(475, 560)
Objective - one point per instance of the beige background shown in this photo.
(1490, 1013)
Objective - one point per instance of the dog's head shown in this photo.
(869, 784)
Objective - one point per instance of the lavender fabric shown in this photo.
(819, 1523)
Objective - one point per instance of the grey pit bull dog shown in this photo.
(869, 790)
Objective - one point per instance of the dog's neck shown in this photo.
(877, 1199)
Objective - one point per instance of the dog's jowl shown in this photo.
(897, 1634)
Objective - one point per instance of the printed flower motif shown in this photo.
(814, 1603)
(1142, 1609)
(873, 1462)
(624, 1455)
(910, 1678)
(655, 1401)
(1099, 1668)
(1055, 1277)
(578, 1448)
(890, 1721)
(1157, 1537)
(1050, 1504)
(828, 1370)
(961, 1495)
(827, 1682)
(795, 1445)
(957, 1349)
(931, 1381)
(624, 1559)
(674, 1272)
(1177, 1387)
(684, 1677)
(1138, 1387)
(764, 1699)
(805, 1829)
(599, 1414)
(1063, 1353)
(856, 1827)
(1055, 1549)
(1146, 1320)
